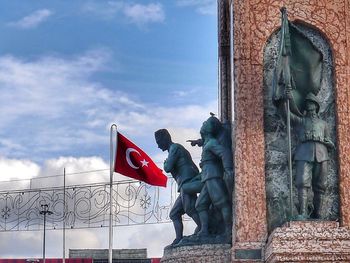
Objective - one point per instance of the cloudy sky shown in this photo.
(69, 69)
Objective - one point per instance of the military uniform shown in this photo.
(215, 160)
(311, 154)
(311, 157)
(179, 163)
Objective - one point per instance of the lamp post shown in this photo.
(45, 211)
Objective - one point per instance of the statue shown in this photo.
(311, 156)
(223, 136)
(217, 169)
(179, 163)
(296, 82)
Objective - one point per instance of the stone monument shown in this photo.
(264, 231)
(285, 208)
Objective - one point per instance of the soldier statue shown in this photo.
(179, 163)
(216, 163)
(311, 156)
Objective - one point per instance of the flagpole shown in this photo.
(111, 170)
(290, 162)
(64, 215)
(286, 53)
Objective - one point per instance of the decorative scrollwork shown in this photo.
(87, 206)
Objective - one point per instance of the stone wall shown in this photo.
(254, 22)
(208, 253)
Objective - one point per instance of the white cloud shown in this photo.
(82, 170)
(17, 169)
(43, 96)
(144, 14)
(124, 237)
(204, 7)
(25, 174)
(30, 243)
(184, 93)
(33, 19)
(106, 10)
(50, 105)
(139, 14)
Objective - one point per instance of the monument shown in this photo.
(291, 162)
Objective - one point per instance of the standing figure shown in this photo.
(179, 163)
(216, 164)
(311, 156)
(223, 137)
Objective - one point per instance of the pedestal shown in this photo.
(218, 253)
(309, 241)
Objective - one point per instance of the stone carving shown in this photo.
(179, 163)
(296, 82)
(311, 157)
(217, 176)
(214, 184)
(213, 253)
(309, 241)
(212, 209)
(275, 143)
(258, 132)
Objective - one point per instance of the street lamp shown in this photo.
(45, 211)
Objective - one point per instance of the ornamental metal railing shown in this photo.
(86, 206)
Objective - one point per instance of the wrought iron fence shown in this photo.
(86, 206)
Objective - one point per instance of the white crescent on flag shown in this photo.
(127, 154)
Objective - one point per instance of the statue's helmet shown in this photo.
(212, 126)
(311, 97)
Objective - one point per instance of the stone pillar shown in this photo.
(250, 199)
(224, 43)
(254, 22)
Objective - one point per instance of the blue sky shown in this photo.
(68, 69)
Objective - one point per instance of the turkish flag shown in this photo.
(131, 161)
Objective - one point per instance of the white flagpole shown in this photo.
(64, 215)
(111, 170)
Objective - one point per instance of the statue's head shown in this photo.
(163, 139)
(312, 104)
(211, 126)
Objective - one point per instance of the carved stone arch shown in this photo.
(276, 167)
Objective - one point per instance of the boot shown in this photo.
(204, 219)
(302, 196)
(227, 216)
(178, 230)
(319, 201)
(197, 220)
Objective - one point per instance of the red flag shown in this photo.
(131, 161)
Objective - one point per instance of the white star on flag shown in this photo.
(144, 163)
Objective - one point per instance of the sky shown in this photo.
(69, 69)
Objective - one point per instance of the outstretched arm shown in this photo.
(198, 142)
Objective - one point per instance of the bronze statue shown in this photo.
(179, 163)
(223, 136)
(296, 82)
(311, 156)
(217, 164)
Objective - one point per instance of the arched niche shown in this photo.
(276, 149)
